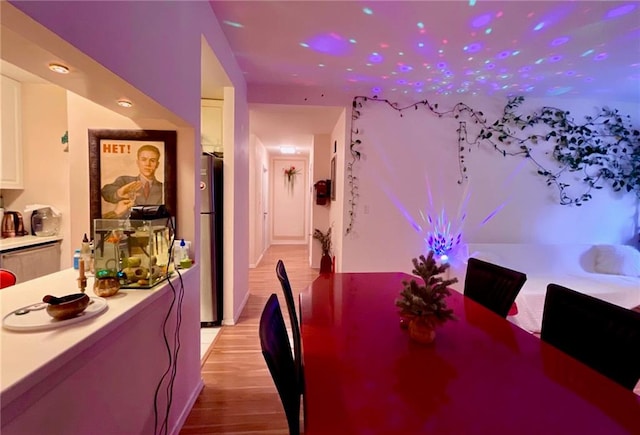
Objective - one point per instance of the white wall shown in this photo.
(258, 160)
(134, 56)
(320, 214)
(46, 180)
(55, 176)
(340, 207)
(235, 131)
(83, 115)
(129, 53)
(405, 158)
(62, 178)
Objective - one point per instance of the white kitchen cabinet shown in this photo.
(11, 169)
(33, 262)
(211, 125)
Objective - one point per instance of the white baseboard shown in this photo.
(187, 409)
(236, 315)
(254, 265)
(290, 242)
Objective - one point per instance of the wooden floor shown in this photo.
(239, 395)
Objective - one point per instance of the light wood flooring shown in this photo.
(239, 395)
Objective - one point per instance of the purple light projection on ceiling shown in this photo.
(547, 47)
(481, 21)
(375, 58)
(620, 11)
(559, 41)
(330, 43)
(474, 47)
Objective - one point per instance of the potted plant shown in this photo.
(423, 305)
(326, 264)
(290, 177)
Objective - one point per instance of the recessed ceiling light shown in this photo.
(287, 150)
(125, 103)
(59, 68)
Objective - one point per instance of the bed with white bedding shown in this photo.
(608, 272)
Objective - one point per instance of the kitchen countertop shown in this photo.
(11, 243)
(27, 358)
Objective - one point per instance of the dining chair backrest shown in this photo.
(602, 335)
(493, 286)
(7, 278)
(276, 350)
(281, 272)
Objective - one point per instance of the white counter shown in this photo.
(105, 366)
(10, 243)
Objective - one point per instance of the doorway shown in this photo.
(289, 200)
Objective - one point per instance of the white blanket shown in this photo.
(568, 265)
(620, 290)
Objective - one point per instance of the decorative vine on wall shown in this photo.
(605, 148)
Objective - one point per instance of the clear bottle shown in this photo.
(180, 253)
(76, 259)
(85, 251)
(92, 257)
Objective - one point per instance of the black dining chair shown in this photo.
(493, 286)
(602, 335)
(276, 350)
(281, 272)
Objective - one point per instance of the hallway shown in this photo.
(239, 395)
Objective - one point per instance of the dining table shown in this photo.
(482, 374)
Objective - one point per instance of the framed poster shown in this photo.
(131, 167)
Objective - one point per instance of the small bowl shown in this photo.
(68, 306)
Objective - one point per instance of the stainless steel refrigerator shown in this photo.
(211, 240)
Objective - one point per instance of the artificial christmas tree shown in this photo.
(424, 306)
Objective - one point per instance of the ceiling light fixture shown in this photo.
(125, 103)
(287, 150)
(59, 68)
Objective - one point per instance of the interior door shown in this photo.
(265, 209)
(288, 206)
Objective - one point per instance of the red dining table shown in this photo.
(482, 375)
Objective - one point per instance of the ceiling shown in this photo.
(18, 74)
(27, 48)
(414, 49)
(420, 49)
(541, 48)
(285, 125)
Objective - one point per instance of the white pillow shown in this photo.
(487, 256)
(617, 260)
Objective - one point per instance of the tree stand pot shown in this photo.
(326, 264)
(421, 331)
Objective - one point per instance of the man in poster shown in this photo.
(143, 189)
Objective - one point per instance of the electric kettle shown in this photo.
(12, 224)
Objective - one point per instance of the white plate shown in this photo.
(39, 320)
